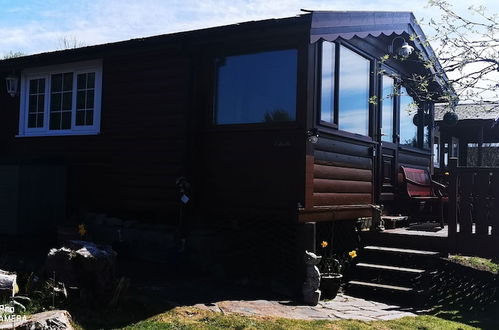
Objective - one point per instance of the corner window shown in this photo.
(61, 100)
(256, 88)
(408, 120)
(345, 79)
(387, 109)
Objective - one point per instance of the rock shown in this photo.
(8, 284)
(50, 320)
(84, 265)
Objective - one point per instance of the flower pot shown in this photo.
(330, 284)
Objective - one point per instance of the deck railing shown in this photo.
(474, 210)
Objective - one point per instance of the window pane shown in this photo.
(89, 117)
(66, 120)
(55, 120)
(85, 99)
(80, 100)
(408, 128)
(56, 82)
(427, 129)
(327, 82)
(387, 104)
(36, 103)
(91, 80)
(82, 81)
(436, 151)
(33, 99)
(80, 117)
(256, 88)
(31, 120)
(55, 102)
(90, 99)
(353, 92)
(68, 81)
(33, 86)
(66, 101)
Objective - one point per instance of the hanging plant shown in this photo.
(450, 118)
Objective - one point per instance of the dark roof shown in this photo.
(484, 111)
(328, 25)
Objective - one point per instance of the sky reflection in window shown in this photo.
(408, 109)
(353, 92)
(256, 88)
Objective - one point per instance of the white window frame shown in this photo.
(46, 72)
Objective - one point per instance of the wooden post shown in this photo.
(452, 215)
(309, 236)
(480, 144)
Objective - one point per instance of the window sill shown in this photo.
(425, 152)
(44, 134)
(344, 134)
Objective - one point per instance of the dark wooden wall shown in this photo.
(155, 127)
(342, 173)
(130, 168)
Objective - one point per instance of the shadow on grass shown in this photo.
(157, 288)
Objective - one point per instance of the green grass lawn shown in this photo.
(192, 318)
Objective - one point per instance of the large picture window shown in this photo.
(256, 88)
(345, 74)
(62, 100)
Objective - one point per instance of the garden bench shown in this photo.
(421, 188)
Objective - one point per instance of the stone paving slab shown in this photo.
(342, 307)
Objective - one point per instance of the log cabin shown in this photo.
(276, 125)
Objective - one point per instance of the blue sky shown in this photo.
(34, 26)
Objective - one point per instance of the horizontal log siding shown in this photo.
(342, 174)
(130, 168)
(413, 159)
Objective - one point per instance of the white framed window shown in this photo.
(61, 100)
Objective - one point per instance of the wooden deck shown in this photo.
(431, 229)
(424, 236)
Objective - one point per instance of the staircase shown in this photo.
(394, 275)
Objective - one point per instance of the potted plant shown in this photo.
(332, 268)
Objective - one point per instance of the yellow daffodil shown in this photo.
(352, 254)
(324, 244)
(81, 230)
(446, 173)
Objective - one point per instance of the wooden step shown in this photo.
(390, 268)
(381, 286)
(402, 251)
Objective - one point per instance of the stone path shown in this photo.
(342, 307)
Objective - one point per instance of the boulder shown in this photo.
(84, 265)
(8, 285)
(50, 320)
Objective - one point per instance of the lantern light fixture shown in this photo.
(404, 50)
(12, 82)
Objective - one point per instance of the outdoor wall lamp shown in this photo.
(12, 82)
(313, 135)
(404, 50)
